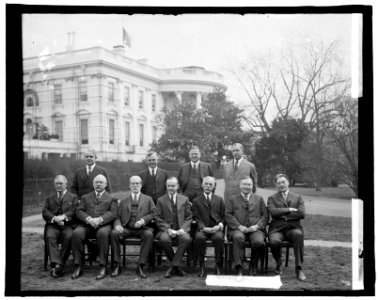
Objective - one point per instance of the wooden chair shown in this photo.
(285, 244)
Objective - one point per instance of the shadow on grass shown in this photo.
(325, 268)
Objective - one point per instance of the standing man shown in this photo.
(96, 211)
(153, 178)
(286, 210)
(209, 212)
(191, 174)
(173, 217)
(134, 212)
(59, 214)
(237, 169)
(83, 179)
(246, 216)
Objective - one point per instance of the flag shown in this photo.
(125, 37)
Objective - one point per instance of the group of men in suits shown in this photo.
(173, 203)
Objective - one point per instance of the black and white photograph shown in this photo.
(190, 151)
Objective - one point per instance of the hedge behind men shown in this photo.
(96, 211)
(59, 214)
(209, 212)
(134, 212)
(286, 210)
(153, 178)
(237, 169)
(246, 216)
(173, 217)
(83, 178)
(191, 174)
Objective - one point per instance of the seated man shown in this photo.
(209, 212)
(246, 216)
(59, 214)
(173, 218)
(96, 212)
(286, 210)
(134, 212)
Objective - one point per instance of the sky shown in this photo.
(213, 41)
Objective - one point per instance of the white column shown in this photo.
(134, 132)
(179, 96)
(149, 116)
(198, 100)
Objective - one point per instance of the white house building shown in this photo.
(101, 99)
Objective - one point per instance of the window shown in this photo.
(153, 103)
(84, 131)
(29, 101)
(59, 129)
(57, 94)
(141, 135)
(111, 91)
(126, 95)
(111, 132)
(140, 100)
(29, 128)
(127, 133)
(83, 91)
(155, 133)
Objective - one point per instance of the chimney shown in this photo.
(119, 49)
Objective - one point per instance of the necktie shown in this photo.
(247, 201)
(209, 201)
(236, 165)
(89, 171)
(172, 199)
(135, 201)
(152, 172)
(60, 196)
(98, 196)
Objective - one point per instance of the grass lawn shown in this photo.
(341, 192)
(327, 269)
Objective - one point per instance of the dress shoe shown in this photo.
(116, 270)
(300, 275)
(58, 271)
(140, 272)
(239, 271)
(169, 273)
(278, 269)
(202, 271)
(179, 272)
(102, 273)
(217, 270)
(77, 273)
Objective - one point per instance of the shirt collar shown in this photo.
(63, 192)
(285, 193)
(243, 196)
(194, 163)
(133, 195)
(209, 195)
(155, 170)
(91, 167)
(101, 193)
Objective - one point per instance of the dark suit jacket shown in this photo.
(279, 211)
(105, 208)
(160, 181)
(236, 206)
(200, 210)
(205, 170)
(145, 210)
(232, 179)
(54, 208)
(163, 213)
(83, 184)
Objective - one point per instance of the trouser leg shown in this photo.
(238, 239)
(200, 246)
(77, 241)
(257, 242)
(296, 236)
(217, 239)
(102, 237)
(66, 243)
(52, 234)
(183, 243)
(166, 245)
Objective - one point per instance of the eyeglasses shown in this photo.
(89, 156)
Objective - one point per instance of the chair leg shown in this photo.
(266, 258)
(230, 252)
(152, 258)
(226, 258)
(124, 255)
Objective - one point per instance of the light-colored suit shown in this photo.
(232, 178)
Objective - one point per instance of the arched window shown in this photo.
(29, 101)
